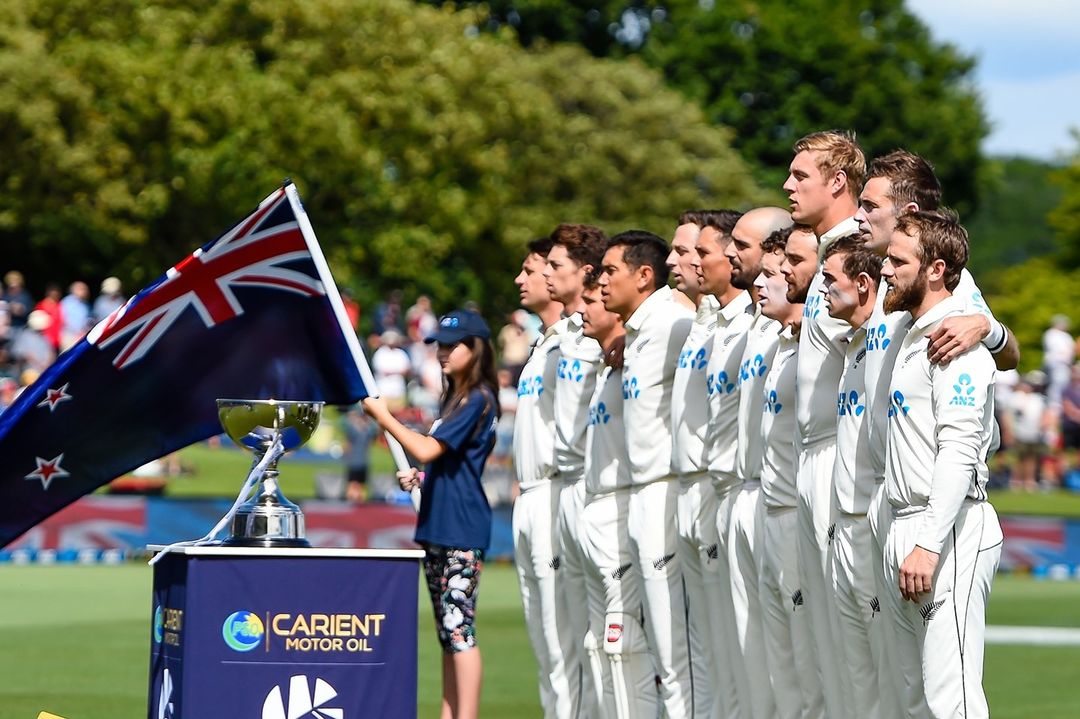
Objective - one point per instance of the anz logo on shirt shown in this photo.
(876, 339)
(531, 386)
(771, 404)
(848, 405)
(719, 383)
(569, 370)
(753, 368)
(630, 388)
(896, 404)
(965, 392)
(979, 304)
(598, 414)
(812, 308)
(693, 360)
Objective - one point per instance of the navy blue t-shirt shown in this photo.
(454, 510)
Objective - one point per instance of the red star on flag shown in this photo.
(47, 469)
(54, 397)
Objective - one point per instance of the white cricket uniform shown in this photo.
(695, 505)
(885, 333)
(655, 334)
(535, 538)
(778, 580)
(622, 668)
(721, 444)
(821, 360)
(575, 379)
(851, 572)
(745, 529)
(940, 429)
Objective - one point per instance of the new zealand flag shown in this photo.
(254, 314)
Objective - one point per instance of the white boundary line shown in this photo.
(1037, 636)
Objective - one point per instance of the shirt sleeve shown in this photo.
(974, 303)
(459, 426)
(961, 391)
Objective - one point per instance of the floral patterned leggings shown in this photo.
(453, 578)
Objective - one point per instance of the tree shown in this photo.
(1065, 218)
(774, 70)
(427, 153)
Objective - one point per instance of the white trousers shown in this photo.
(940, 638)
(851, 575)
(731, 670)
(788, 644)
(705, 579)
(882, 625)
(651, 523)
(815, 510)
(572, 599)
(744, 546)
(535, 551)
(620, 663)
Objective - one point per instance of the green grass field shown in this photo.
(76, 643)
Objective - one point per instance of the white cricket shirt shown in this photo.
(778, 425)
(655, 334)
(853, 472)
(575, 377)
(605, 440)
(689, 394)
(722, 386)
(534, 423)
(940, 429)
(757, 359)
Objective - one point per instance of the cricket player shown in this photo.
(634, 285)
(744, 524)
(796, 694)
(944, 544)
(823, 185)
(535, 510)
(622, 669)
(575, 252)
(852, 273)
(736, 315)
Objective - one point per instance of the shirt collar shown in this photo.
(645, 309)
(736, 307)
(707, 308)
(841, 229)
(938, 312)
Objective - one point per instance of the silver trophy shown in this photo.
(267, 518)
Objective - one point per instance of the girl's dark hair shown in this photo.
(482, 376)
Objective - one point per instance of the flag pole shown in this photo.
(396, 450)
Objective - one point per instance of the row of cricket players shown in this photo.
(762, 493)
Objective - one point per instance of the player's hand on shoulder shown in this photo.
(956, 335)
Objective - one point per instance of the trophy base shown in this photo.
(267, 542)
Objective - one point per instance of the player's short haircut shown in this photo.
(693, 217)
(941, 237)
(858, 258)
(540, 246)
(911, 179)
(592, 277)
(584, 244)
(723, 221)
(776, 241)
(641, 248)
(838, 152)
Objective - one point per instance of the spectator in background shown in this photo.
(352, 308)
(50, 305)
(420, 321)
(515, 342)
(391, 366)
(110, 299)
(30, 349)
(1059, 353)
(1070, 421)
(504, 430)
(387, 315)
(19, 302)
(1028, 419)
(9, 390)
(359, 432)
(75, 312)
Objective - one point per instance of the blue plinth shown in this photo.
(284, 634)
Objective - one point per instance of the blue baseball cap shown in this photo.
(457, 325)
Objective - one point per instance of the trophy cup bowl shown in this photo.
(267, 518)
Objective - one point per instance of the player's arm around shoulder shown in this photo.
(977, 325)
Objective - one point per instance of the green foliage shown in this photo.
(427, 153)
(1027, 295)
(774, 70)
(1010, 226)
(1065, 218)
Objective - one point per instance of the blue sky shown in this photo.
(1029, 67)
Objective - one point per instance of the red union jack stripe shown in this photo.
(250, 255)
